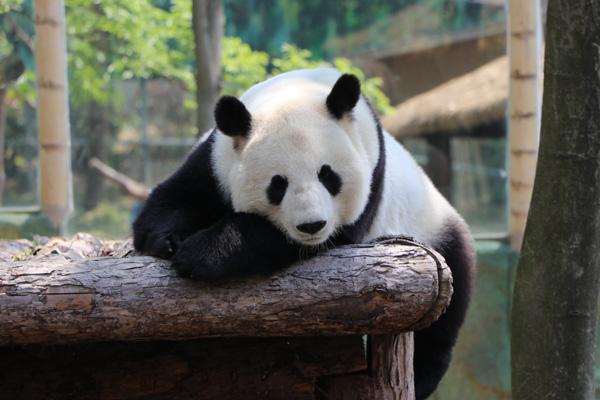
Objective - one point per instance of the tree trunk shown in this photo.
(53, 111)
(97, 126)
(208, 22)
(383, 288)
(3, 91)
(557, 283)
(523, 126)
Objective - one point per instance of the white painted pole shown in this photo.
(53, 112)
(524, 109)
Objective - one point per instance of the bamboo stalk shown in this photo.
(524, 112)
(53, 111)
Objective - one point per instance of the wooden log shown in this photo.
(383, 288)
(390, 376)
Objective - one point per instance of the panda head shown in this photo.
(295, 156)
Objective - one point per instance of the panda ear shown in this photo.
(232, 117)
(344, 95)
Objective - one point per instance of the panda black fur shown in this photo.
(299, 161)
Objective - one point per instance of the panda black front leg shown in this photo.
(178, 206)
(433, 345)
(239, 245)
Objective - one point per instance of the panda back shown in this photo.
(410, 205)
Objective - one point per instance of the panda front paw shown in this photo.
(157, 244)
(204, 257)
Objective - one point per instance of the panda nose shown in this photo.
(311, 227)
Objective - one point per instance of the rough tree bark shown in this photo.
(3, 92)
(97, 126)
(367, 289)
(11, 68)
(53, 111)
(208, 21)
(58, 297)
(523, 121)
(557, 284)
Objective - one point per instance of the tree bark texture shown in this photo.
(384, 288)
(523, 126)
(391, 377)
(97, 126)
(557, 283)
(3, 92)
(53, 111)
(208, 21)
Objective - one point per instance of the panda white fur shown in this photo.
(300, 162)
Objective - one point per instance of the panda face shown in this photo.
(306, 177)
(297, 151)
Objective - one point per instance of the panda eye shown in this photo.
(330, 179)
(276, 189)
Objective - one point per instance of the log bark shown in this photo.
(383, 288)
(391, 373)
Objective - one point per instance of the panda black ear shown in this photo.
(232, 117)
(344, 95)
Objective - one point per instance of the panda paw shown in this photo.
(157, 244)
(202, 257)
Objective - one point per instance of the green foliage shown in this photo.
(9, 5)
(242, 66)
(16, 26)
(371, 87)
(293, 58)
(114, 40)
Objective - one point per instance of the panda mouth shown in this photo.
(312, 240)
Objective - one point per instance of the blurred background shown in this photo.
(436, 70)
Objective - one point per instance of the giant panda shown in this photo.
(297, 164)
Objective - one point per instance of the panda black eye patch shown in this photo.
(276, 189)
(330, 179)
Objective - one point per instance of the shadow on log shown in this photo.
(295, 334)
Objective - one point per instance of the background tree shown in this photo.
(558, 276)
(208, 21)
(15, 51)
(111, 42)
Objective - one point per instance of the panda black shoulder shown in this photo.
(188, 200)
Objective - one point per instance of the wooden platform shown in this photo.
(83, 319)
